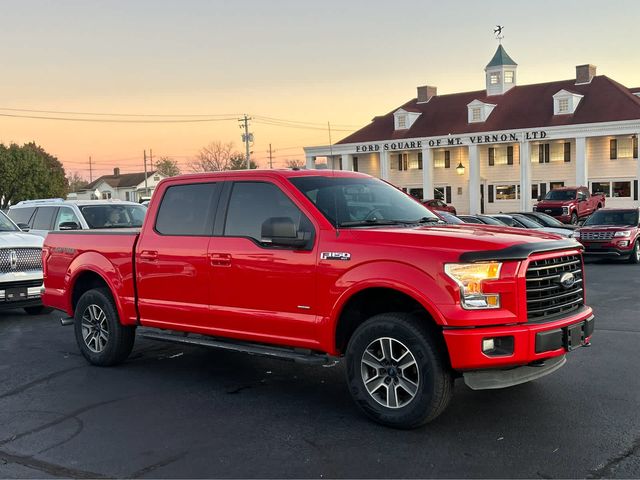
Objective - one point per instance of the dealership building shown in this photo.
(499, 149)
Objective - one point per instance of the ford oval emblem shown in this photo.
(567, 280)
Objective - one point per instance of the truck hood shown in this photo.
(462, 238)
(554, 203)
(606, 228)
(20, 240)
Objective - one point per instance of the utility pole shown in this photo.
(151, 158)
(90, 171)
(270, 156)
(145, 173)
(246, 138)
(330, 145)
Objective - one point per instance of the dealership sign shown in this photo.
(452, 141)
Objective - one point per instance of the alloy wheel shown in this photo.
(95, 328)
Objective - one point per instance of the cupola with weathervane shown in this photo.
(500, 72)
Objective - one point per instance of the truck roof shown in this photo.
(282, 173)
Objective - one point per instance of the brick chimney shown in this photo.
(116, 172)
(425, 93)
(585, 73)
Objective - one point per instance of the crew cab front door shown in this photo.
(260, 291)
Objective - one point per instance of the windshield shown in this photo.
(347, 202)
(491, 221)
(527, 222)
(613, 217)
(548, 220)
(113, 216)
(6, 225)
(561, 195)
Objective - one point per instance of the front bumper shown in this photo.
(20, 294)
(532, 342)
(608, 249)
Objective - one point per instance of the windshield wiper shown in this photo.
(429, 220)
(374, 221)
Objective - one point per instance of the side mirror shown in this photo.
(69, 226)
(281, 231)
(23, 226)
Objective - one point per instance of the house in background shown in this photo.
(121, 186)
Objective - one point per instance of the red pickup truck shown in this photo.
(314, 265)
(570, 204)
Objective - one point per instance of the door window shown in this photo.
(21, 215)
(44, 218)
(188, 210)
(65, 214)
(252, 203)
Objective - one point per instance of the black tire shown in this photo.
(38, 310)
(635, 253)
(574, 218)
(432, 372)
(110, 342)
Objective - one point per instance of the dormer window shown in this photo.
(479, 111)
(404, 119)
(494, 79)
(565, 102)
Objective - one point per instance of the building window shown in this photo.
(625, 148)
(355, 164)
(621, 189)
(106, 195)
(563, 105)
(508, 76)
(567, 151)
(419, 160)
(506, 192)
(534, 191)
(494, 79)
(601, 187)
(442, 159)
(402, 122)
(492, 156)
(553, 185)
(509, 155)
(403, 161)
(635, 146)
(476, 114)
(416, 193)
(544, 153)
(442, 193)
(126, 196)
(613, 149)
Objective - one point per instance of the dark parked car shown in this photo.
(481, 219)
(439, 205)
(521, 221)
(547, 220)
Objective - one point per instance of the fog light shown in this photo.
(498, 346)
(624, 243)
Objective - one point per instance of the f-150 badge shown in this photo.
(335, 256)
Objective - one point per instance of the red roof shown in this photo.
(525, 106)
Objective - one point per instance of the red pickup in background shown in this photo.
(312, 266)
(570, 204)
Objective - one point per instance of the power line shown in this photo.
(107, 120)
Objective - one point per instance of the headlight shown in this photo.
(624, 233)
(469, 277)
(575, 234)
(565, 210)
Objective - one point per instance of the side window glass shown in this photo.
(66, 214)
(44, 218)
(187, 210)
(252, 203)
(21, 215)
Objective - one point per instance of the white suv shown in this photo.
(43, 216)
(20, 268)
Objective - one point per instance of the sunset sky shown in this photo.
(303, 62)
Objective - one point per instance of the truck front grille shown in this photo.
(553, 211)
(20, 260)
(596, 235)
(547, 297)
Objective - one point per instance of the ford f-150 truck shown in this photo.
(316, 265)
(570, 204)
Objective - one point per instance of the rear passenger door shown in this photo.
(43, 220)
(172, 265)
(259, 290)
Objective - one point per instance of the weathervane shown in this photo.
(498, 33)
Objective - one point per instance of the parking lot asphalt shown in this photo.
(178, 411)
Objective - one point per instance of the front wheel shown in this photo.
(574, 218)
(397, 371)
(635, 253)
(102, 339)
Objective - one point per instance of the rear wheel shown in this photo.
(397, 371)
(102, 339)
(635, 253)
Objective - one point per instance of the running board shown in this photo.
(297, 355)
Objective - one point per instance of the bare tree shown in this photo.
(294, 163)
(168, 167)
(215, 157)
(239, 162)
(76, 182)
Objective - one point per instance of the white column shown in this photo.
(311, 162)
(525, 177)
(347, 162)
(427, 173)
(384, 165)
(638, 173)
(582, 165)
(474, 180)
